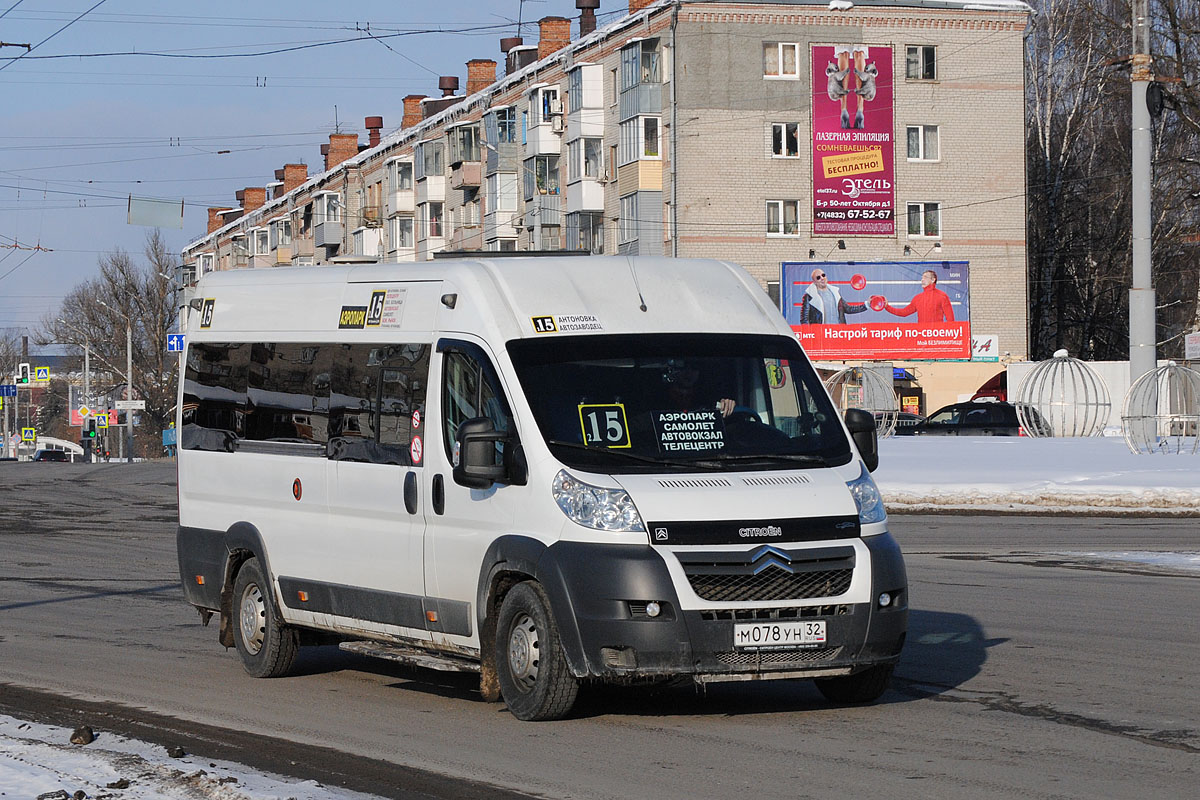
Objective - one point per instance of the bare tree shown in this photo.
(1078, 146)
(98, 311)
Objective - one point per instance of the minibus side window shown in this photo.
(470, 390)
(282, 397)
(214, 396)
(373, 392)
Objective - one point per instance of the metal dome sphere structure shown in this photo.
(1162, 411)
(1062, 396)
(865, 388)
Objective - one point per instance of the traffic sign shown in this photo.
(131, 405)
(175, 342)
(84, 411)
(102, 420)
(8, 390)
(28, 434)
(41, 373)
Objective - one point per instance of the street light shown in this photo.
(87, 385)
(128, 379)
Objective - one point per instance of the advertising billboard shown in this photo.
(879, 310)
(853, 155)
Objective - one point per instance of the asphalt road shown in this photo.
(1027, 674)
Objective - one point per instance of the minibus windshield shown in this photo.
(671, 402)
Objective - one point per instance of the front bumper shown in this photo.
(599, 592)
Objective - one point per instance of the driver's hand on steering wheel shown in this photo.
(725, 405)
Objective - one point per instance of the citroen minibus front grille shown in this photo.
(775, 659)
(772, 583)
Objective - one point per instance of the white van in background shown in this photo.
(546, 470)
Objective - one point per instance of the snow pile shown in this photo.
(37, 761)
(1022, 475)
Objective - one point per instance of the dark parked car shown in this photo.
(52, 455)
(906, 422)
(976, 418)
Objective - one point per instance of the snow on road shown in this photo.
(39, 761)
(1021, 475)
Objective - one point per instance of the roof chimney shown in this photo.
(294, 175)
(325, 155)
(373, 124)
(251, 198)
(215, 218)
(481, 73)
(555, 33)
(341, 147)
(448, 84)
(412, 110)
(587, 16)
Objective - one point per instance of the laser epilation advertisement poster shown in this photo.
(853, 150)
(879, 310)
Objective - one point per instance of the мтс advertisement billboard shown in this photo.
(853, 159)
(878, 309)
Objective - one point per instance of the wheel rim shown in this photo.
(523, 654)
(252, 618)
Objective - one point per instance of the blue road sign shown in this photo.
(8, 390)
(175, 342)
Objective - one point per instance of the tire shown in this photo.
(535, 681)
(861, 687)
(268, 647)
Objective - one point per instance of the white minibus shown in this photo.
(546, 470)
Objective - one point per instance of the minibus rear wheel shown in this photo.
(535, 681)
(861, 687)
(268, 647)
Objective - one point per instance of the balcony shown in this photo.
(466, 237)
(465, 175)
(327, 233)
(370, 217)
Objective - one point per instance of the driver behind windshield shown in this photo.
(682, 395)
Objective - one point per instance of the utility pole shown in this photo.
(1142, 356)
(129, 389)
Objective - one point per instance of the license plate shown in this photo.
(778, 635)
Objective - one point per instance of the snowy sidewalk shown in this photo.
(1021, 475)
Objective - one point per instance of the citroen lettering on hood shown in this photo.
(765, 530)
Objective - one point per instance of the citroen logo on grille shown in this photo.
(767, 556)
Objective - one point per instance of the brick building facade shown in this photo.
(683, 129)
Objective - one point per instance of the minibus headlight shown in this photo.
(594, 506)
(867, 498)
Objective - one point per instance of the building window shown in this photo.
(924, 220)
(429, 160)
(503, 245)
(544, 105)
(502, 191)
(615, 80)
(400, 232)
(434, 214)
(400, 176)
(501, 125)
(328, 208)
(920, 62)
(781, 60)
(783, 218)
(639, 139)
(640, 63)
(464, 144)
(262, 242)
(923, 143)
(628, 229)
(541, 176)
(785, 140)
(281, 233)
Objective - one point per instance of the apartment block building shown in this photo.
(874, 140)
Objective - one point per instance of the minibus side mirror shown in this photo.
(477, 467)
(861, 425)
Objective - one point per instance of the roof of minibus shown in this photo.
(513, 297)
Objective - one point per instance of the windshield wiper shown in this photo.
(794, 458)
(635, 456)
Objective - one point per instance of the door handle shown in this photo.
(439, 494)
(410, 492)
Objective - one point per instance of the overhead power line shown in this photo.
(51, 36)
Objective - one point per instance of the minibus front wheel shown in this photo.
(268, 648)
(535, 681)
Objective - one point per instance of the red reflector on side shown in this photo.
(199, 580)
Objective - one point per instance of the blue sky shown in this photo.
(81, 129)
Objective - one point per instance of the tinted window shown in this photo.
(374, 392)
(282, 399)
(214, 396)
(668, 401)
